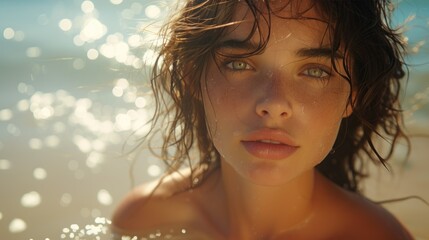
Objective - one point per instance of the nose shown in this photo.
(274, 103)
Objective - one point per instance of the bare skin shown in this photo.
(203, 213)
(272, 118)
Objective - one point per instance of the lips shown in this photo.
(269, 144)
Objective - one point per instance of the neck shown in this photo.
(256, 211)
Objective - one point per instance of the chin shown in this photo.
(266, 174)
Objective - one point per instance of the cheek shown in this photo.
(331, 96)
(323, 133)
(217, 107)
(215, 95)
(225, 101)
(322, 112)
(227, 107)
(327, 137)
(321, 119)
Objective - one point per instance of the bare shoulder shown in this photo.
(150, 206)
(377, 222)
(361, 218)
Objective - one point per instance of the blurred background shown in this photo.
(74, 100)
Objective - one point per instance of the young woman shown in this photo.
(281, 101)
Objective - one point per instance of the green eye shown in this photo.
(238, 65)
(316, 73)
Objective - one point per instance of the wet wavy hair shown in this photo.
(374, 68)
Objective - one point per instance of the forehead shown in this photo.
(286, 19)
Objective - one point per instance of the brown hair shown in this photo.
(373, 64)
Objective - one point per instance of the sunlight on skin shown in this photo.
(97, 131)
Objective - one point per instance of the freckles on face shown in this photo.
(232, 112)
(288, 90)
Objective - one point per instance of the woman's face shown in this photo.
(275, 115)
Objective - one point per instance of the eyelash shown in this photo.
(324, 74)
(229, 64)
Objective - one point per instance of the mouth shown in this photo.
(269, 144)
(269, 141)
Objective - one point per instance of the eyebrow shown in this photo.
(318, 52)
(238, 44)
(325, 52)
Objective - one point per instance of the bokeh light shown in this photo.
(8, 33)
(33, 52)
(17, 225)
(92, 30)
(6, 114)
(19, 36)
(5, 164)
(76, 99)
(104, 197)
(92, 54)
(152, 11)
(40, 173)
(116, 2)
(79, 64)
(154, 170)
(35, 143)
(31, 199)
(87, 6)
(66, 199)
(65, 24)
